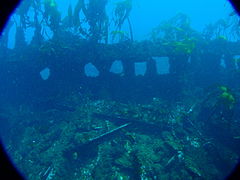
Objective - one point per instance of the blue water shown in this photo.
(145, 16)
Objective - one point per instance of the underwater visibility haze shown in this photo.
(121, 89)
